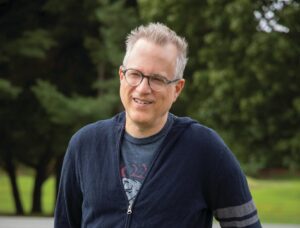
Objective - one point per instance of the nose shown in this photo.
(144, 86)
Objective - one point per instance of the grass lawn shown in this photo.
(25, 183)
(277, 200)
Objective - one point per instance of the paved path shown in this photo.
(41, 222)
(25, 222)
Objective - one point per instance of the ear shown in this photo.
(178, 88)
(121, 75)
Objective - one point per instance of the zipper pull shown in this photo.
(129, 209)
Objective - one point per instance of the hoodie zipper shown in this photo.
(129, 209)
(130, 206)
(128, 217)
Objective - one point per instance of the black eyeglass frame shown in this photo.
(164, 79)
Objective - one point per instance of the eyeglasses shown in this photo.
(156, 82)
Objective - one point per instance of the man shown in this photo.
(146, 167)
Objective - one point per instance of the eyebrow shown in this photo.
(158, 75)
(154, 74)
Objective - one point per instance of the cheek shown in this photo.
(175, 95)
(122, 93)
(168, 99)
(122, 87)
(172, 95)
(125, 91)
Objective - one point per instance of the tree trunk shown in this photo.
(40, 177)
(58, 168)
(10, 168)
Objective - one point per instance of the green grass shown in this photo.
(25, 183)
(277, 201)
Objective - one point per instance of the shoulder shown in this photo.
(200, 134)
(97, 130)
(192, 125)
(209, 144)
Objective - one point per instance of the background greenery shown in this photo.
(58, 71)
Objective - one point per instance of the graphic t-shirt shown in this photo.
(136, 157)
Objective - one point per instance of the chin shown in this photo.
(140, 118)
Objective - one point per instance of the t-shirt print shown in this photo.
(132, 178)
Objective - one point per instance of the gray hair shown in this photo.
(159, 34)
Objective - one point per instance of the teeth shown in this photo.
(141, 101)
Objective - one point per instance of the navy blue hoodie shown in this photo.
(193, 177)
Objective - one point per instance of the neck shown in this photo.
(144, 130)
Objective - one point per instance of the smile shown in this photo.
(139, 101)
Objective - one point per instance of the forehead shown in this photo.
(150, 58)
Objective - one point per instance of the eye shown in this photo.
(133, 74)
(158, 80)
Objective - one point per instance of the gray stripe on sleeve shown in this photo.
(236, 211)
(243, 223)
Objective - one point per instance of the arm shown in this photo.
(69, 200)
(231, 200)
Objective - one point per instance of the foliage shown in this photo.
(7, 90)
(73, 111)
(8, 96)
(242, 76)
(32, 44)
(250, 97)
(50, 51)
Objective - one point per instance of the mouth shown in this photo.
(141, 101)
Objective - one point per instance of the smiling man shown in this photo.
(147, 102)
(146, 167)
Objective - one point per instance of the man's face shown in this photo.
(146, 108)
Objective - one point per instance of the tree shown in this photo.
(8, 96)
(250, 88)
(241, 75)
(103, 45)
(55, 44)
